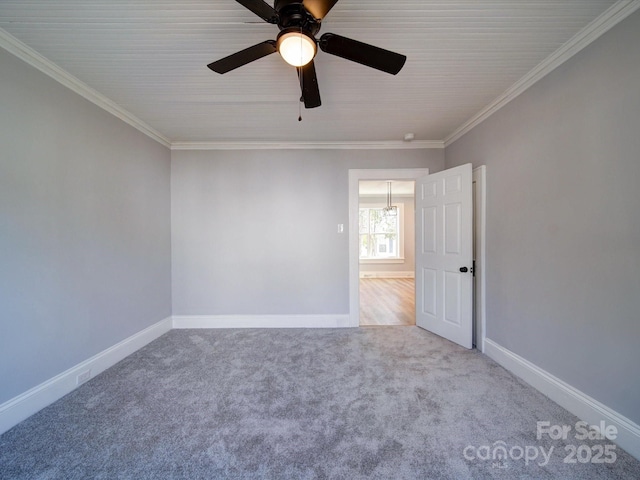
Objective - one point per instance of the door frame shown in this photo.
(480, 227)
(355, 175)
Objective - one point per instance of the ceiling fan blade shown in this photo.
(363, 53)
(262, 9)
(243, 57)
(309, 85)
(319, 8)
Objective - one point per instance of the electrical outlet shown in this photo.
(83, 377)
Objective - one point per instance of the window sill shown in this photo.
(371, 261)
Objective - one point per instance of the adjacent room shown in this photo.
(414, 253)
(386, 252)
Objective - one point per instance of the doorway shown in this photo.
(355, 176)
(479, 178)
(386, 252)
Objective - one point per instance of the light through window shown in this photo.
(379, 234)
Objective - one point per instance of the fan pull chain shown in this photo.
(301, 81)
(301, 96)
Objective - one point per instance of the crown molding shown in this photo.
(607, 20)
(381, 145)
(33, 58)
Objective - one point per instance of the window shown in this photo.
(380, 234)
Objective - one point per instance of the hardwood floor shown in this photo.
(387, 301)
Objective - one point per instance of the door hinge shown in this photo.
(473, 268)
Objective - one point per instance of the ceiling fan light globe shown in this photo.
(296, 48)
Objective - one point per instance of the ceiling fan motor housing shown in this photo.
(293, 16)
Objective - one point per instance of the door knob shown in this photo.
(464, 269)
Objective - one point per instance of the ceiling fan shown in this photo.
(299, 21)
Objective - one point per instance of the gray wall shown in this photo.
(255, 232)
(409, 263)
(84, 229)
(563, 219)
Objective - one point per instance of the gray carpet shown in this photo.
(381, 402)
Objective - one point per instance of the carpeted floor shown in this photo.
(380, 402)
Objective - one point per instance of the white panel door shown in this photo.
(444, 254)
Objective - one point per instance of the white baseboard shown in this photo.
(575, 401)
(26, 404)
(261, 321)
(387, 274)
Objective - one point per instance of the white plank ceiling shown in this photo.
(150, 57)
